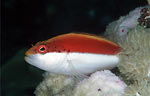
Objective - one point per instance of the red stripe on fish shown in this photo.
(81, 43)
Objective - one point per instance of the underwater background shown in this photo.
(25, 22)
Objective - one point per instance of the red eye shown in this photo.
(42, 49)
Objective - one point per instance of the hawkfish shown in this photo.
(74, 54)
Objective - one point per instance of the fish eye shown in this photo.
(42, 49)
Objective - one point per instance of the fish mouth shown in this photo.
(31, 59)
(34, 60)
(28, 59)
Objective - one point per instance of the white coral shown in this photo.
(101, 83)
(55, 85)
(119, 29)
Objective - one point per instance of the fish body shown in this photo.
(73, 54)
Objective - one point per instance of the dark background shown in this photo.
(25, 22)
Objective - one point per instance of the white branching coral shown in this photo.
(101, 83)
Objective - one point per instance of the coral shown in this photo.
(101, 83)
(138, 89)
(55, 85)
(118, 30)
(134, 59)
(134, 65)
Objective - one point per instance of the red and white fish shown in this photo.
(74, 53)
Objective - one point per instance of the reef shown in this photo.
(118, 30)
(55, 85)
(136, 48)
(132, 33)
(135, 60)
(134, 38)
(99, 83)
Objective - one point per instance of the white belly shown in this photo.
(85, 63)
(70, 63)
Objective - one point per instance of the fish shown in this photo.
(74, 54)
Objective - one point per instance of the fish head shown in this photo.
(39, 56)
(38, 48)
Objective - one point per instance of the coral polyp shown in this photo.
(136, 48)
